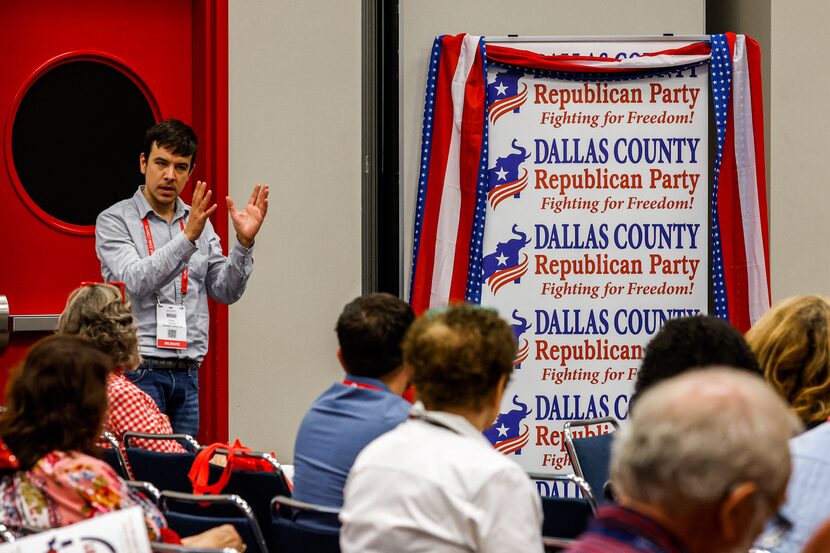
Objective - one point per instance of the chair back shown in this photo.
(289, 536)
(171, 548)
(203, 512)
(565, 518)
(166, 471)
(591, 455)
(112, 455)
(258, 488)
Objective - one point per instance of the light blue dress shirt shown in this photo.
(808, 493)
(122, 249)
(339, 424)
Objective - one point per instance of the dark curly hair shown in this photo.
(370, 331)
(458, 356)
(56, 399)
(693, 342)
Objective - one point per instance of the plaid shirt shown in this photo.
(130, 409)
(619, 530)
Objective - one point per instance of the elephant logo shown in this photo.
(506, 434)
(503, 265)
(522, 346)
(503, 94)
(504, 177)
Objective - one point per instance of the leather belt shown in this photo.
(171, 364)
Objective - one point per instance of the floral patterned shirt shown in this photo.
(66, 487)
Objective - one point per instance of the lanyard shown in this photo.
(354, 384)
(433, 422)
(151, 249)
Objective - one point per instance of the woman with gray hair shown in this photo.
(102, 313)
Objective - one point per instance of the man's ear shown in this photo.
(737, 511)
(142, 163)
(190, 171)
(340, 358)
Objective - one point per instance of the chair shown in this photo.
(591, 455)
(565, 518)
(214, 510)
(288, 536)
(148, 490)
(166, 471)
(170, 548)
(112, 456)
(258, 488)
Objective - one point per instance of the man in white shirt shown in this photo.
(435, 483)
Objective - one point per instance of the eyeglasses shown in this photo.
(117, 283)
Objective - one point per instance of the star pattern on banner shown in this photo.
(720, 76)
(473, 293)
(426, 147)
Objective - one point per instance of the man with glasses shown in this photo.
(701, 465)
(170, 259)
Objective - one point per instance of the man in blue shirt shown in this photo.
(352, 413)
(170, 260)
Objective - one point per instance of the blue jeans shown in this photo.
(175, 392)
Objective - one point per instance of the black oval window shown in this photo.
(76, 139)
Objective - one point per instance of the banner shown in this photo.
(596, 234)
(567, 185)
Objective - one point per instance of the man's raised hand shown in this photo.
(200, 210)
(248, 221)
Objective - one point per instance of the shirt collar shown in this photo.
(453, 422)
(144, 207)
(633, 525)
(368, 381)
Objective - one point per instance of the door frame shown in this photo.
(210, 121)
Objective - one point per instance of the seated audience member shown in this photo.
(435, 483)
(792, 344)
(700, 466)
(57, 401)
(692, 342)
(102, 314)
(352, 413)
(808, 500)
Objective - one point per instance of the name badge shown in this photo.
(171, 326)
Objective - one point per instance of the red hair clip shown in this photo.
(117, 283)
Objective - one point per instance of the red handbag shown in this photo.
(200, 471)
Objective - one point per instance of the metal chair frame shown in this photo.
(147, 488)
(282, 500)
(569, 439)
(170, 548)
(116, 447)
(222, 499)
(185, 439)
(584, 488)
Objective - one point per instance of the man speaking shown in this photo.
(170, 259)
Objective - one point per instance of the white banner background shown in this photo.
(561, 378)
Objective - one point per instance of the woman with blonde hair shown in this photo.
(102, 313)
(792, 344)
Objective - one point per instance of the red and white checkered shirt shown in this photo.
(130, 409)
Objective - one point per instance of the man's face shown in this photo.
(165, 176)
